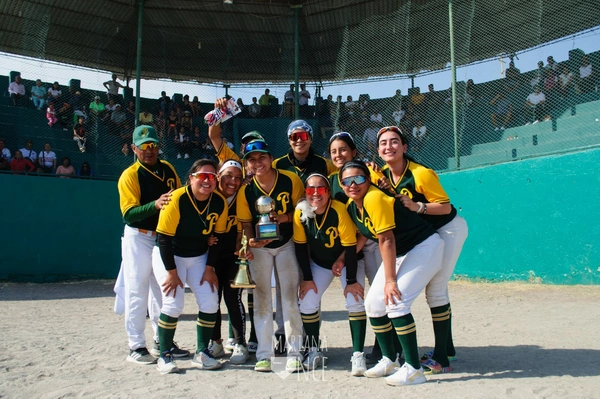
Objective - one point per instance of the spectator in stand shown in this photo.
(550, 87)
(125, 149)
(20, 164)
(130, 113)
(419, 132)
(159, 124)
(587, 76)
(80, 133)
(398, 116)
(65, 115)
(76, 101)
(207, 146)
(65, 169)
(304, 96)
(351, 106)
(96, 107)
(17, 92)
(416, 106)
(4, 163)
(469, 92)
(55, 94)
(288, 103)
(146, 118)
(254, 109)
(85, 171)
(118, 120)
(265, 104)
(539, 75)
(324, 108)
(243, 109)
(553, 66)
(38, 95)
(536, 105)
(377, 119)
(165, 103)
(566, 82)
(196, 142)
(4, 152)
(512, 77)
(28, 152)
(109, 109)
(503, 111)
(182, 143)
(186, 122)
(195, 105)
(47, 159)
(112, 86)
(432, 98)
(370, 137)
(172, 122)
(51, 114)
(186, 105)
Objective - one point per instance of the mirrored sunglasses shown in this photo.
(256, 146)
(145, 146)
(358, 180)
(302, 136)
(320, 190)
(205, 176)
(341, 134)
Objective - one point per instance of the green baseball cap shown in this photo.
(256, 146)
(144, 134)
(251, 136)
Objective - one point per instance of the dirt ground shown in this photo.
(513, 340)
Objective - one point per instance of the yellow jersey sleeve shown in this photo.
(168, 218)
(427, 183)
(380, 210)
(242, 209)
(297, 189)
(375, 176)
(299, 233)
(330, 167)
(346, 227)
(224, 152)
(129, 190)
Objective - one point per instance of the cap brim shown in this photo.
(145, 140)
(248, 153)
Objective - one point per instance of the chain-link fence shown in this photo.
(365, 65)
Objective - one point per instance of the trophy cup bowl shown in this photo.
(266, 229)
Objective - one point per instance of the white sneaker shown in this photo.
(313, 360)
(229, 345)
(178, 156)
(240, 354)
(186, 156)
(166, 364)
(252, 347)
(205, 361)
(383, 368)
(359, 364)
(407, 375)
(293, 364)
(216, 349)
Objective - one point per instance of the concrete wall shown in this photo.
(530, 220)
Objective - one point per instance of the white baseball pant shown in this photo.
(372, 259)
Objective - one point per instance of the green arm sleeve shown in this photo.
(140, 213)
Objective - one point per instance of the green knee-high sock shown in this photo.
(251, 317)
(166, 331)
(407, 335)
(441, 320)
(204, 328)
(231, 335)
(451, 350)
(358, 330)
(384, 331)
(311, 324)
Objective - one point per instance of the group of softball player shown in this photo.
(394, 227)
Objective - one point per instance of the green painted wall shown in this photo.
(524, 223)
(536, 219)
(59, 229)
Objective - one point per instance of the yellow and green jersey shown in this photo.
(224, 153)
(286, 192)
(382, 212)
(313, 164)
(232, 229)
(337, 191)
(422, 184)
(191, 222)
(139, 185)
(326, 234)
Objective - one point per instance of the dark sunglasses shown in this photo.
(340, 134)
(320, 190)
(389, 129)
(302, 136)
(256, 146)
(145, 146)
(205, 176)
(358, 180)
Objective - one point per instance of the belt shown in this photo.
(147, 231)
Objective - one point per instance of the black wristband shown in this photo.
(165, 246)
(303, 261)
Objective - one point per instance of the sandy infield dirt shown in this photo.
(513, 340)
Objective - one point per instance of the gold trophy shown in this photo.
(266, 229)
(243, 278)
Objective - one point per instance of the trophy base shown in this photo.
(251, 284)
(267, 231)
(274, 238)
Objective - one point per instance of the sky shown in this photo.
(588, 41)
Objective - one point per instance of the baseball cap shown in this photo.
(97, 98)
(256, 146)
(253, 135)
(144, 134)
(299, 125)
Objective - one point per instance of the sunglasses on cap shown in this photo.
(341, 134)
(389, 129)
(210, 176)
(302, 136)
(358, 180)
(320, 190)
(145, 146)
(257, 145)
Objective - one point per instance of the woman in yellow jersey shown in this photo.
(420, 191)
(195, 213)
(412, 253)
(324, 233)
(285, 189)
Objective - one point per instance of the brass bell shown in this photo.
(243, 278)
